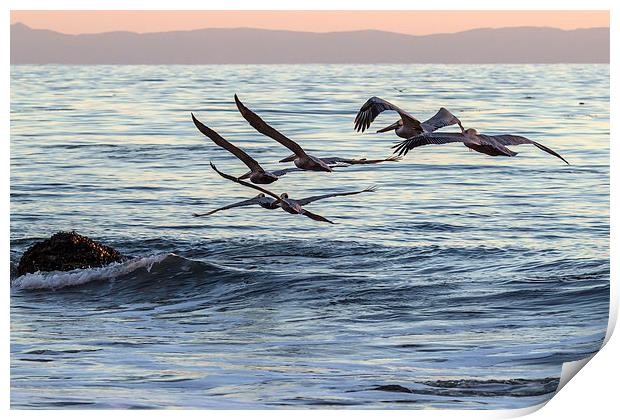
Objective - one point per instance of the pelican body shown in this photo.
(258, 177)
(311, 163)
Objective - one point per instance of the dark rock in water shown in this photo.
(66, 251)
(393, 388)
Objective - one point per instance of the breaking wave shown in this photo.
(60, 279)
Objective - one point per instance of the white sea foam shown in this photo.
(59, 279)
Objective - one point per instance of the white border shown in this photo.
(593, 394)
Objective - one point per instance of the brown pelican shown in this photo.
(407, 126)
(489, 145)
(270, 203)
(256, 174)
(289, 206)
(299, 157)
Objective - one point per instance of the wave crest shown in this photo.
(60, 279)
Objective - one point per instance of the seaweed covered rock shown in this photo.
(66, 251)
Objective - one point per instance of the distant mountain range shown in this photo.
(258, 46)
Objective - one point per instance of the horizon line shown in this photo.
(311, 32)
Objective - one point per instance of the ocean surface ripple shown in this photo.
(464, 282)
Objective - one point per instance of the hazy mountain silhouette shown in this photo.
(244, 45)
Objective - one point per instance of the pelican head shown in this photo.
(284, 196)
(471, 132)
(390, 127)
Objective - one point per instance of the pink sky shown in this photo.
(408, 22)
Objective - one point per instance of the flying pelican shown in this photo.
(256, 174)
(299, 157)
(407, 126)
(489, 145)
(289, 206)
(270, 203)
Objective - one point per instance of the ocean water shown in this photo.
(464, 281)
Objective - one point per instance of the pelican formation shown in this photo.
(407, 126)
(489, 145)
(416, 134)
(300, 158)
(256, 174)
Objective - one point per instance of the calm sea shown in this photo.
(467, 280)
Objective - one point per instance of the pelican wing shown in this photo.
(315, 216)
(443, 118)
(403, 147)
(375, 106)
(508, 140)
(247, 184)
(281, 172)
(267, 130)
(245, 203)
(333, 160)
(307, 200)
(225, 144)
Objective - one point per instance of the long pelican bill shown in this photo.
(375, 106)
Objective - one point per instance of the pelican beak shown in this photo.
(289, 159)
(389, 128)
(460, 125)
(245, 175)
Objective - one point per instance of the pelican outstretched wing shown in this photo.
(308, 200)
(315, 216)
(244, 203)
(443, 118)
(512, 140)
(333, 160)
(267, 130)
(281, 172)
(403, 147)
(375, 106)
(225, 144)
